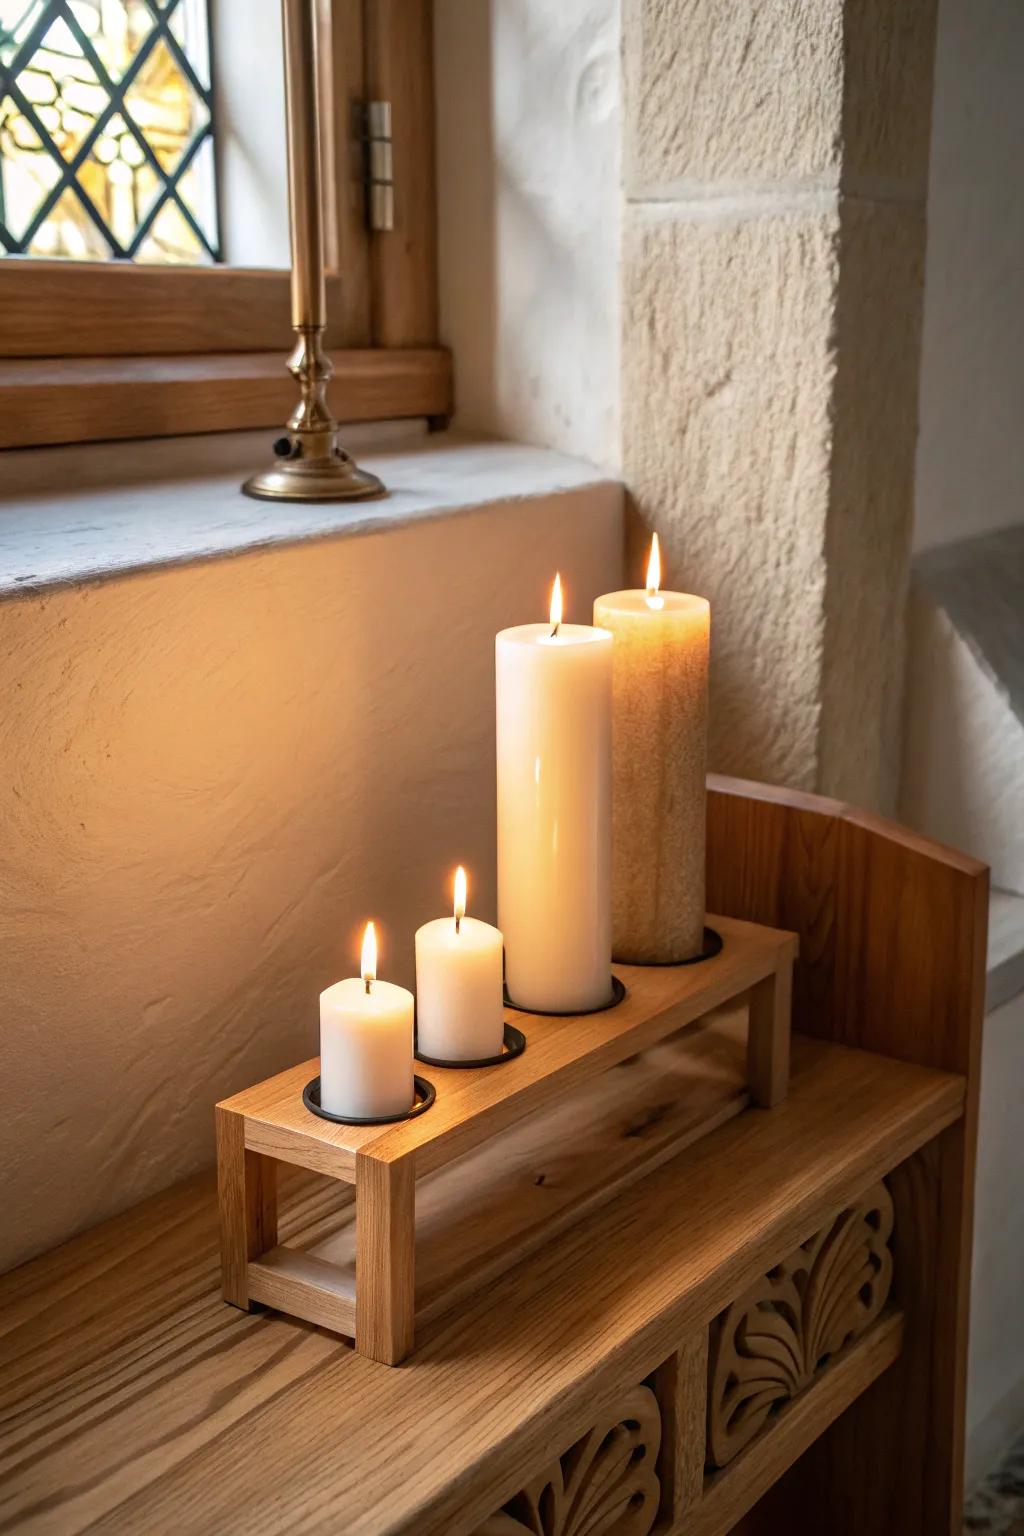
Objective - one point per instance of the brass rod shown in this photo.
(309, 303)
(311, 463)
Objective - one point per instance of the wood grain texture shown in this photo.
(403, 260)
(131, 1399)
(681, 1387)
(502, 1201)
(247, 1194)
(304, 1286)
(95, 309)
(892, 958)
(730, 1493)
(771, 1004)
(385, 1257)
(48, 400)
(562, 1054)
(346, 237)
(605, 1485)
(769, 1344)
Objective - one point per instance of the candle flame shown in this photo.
(654, 569)
(556, 603)
(654, 575)
(368, 963)
(460, 896)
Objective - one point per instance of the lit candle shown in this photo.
(659, 764)
(459, 1010)
(554, 812)
(366, 1043)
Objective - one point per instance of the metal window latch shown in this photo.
(380, 183)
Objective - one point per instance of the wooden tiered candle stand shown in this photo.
(367, 1291)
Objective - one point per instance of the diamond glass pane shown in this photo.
(106, 130)
(17, 19)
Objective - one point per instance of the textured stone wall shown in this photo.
(775, 162)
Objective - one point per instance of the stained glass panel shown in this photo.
(106, 130)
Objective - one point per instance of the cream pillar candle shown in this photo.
(659, 763)
(553, 690)
(366, 1043)
(459, 1011)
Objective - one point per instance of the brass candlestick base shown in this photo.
(307, 473)
(311, 463)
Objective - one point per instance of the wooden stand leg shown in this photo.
(385, 1253)
(768, 1039)
(681, 1387)
(247, 1191)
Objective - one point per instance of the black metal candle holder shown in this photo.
(712, 945)
(422, 1088)
(514, 1045)
(618, 993)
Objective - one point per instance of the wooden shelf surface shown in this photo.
(132, 1399)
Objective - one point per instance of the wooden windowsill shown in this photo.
(79, 399)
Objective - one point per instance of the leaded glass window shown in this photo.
(106, 130)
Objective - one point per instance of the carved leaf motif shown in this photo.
(605, 1485)
(771, 1341)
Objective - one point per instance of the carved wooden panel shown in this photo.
(769, 1343)
(604, 1485)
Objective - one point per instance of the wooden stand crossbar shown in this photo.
(376, 1305)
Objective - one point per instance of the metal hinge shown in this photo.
(379, 174)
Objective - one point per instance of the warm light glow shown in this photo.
(460, 896)
(556, 603)
(654, 575)
(368, 964)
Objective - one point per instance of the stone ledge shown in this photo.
(82, 514)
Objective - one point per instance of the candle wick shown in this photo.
(555, 630)
(367, 980)
(458, 921)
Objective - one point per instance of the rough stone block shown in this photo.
(889, 64)
(727, 389)
(877, 344)
(731, 91)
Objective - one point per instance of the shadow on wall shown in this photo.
(218, 772)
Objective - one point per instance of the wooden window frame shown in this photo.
(101, 350)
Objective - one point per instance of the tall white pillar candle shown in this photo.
(366, 1043)
(553, 690)
(459, 1011)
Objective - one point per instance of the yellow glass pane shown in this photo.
(69, 231)
(172, 239)
(59, 112)
(17, 18)
(27, 171)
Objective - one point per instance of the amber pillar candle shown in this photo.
(660, 650)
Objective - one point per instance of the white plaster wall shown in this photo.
(970, 461)
(528, 186)
(995, 1383)
(213, 773)
(251, 165)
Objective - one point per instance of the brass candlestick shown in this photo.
(311, 463)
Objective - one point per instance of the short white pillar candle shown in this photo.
(366, 1044)
(459, 1011)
